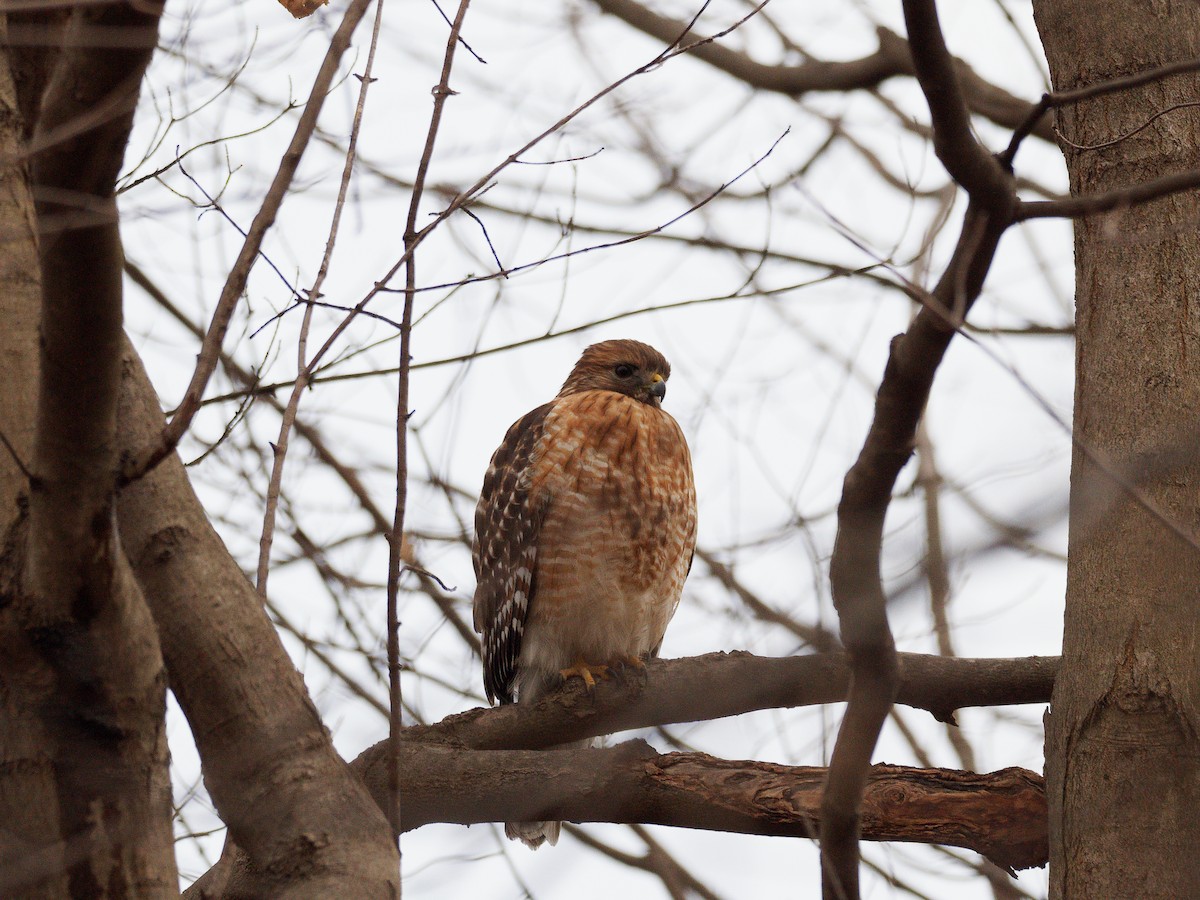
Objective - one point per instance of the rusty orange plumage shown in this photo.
(585, 531)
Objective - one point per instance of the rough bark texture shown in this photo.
(1122, 755)
(1001, 814)
(20, 297)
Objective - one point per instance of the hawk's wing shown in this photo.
(507, 521)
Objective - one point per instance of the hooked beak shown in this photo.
(658, 387)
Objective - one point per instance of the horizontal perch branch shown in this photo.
(727, 684)
(1001, 815)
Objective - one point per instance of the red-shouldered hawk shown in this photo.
(584, 533)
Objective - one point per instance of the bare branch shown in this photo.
(303, 366)
(854, 568)
(1058, 99)
(1001, 815)
(892, 59)
(220, 650)
(979, 173)
(1090, 205)
(727, 684)
(441, 92)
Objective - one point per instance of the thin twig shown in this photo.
(304, 368)
(16, 457)
(440, 94)
(740, 294)
(1057, 99)
(235, 282)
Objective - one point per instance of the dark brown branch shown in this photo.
(715, 685)
(892, 59)
(967, 161)
(1001, 815)
(81, 610)
(1058, 99)
(1078, 207)
(854, 568)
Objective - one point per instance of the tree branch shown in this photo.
(81, 609)
(269, 764)
(972, 166)
(892, 59)
(1058, 99)
(715, 685)
(854, 567)
(1001, 815)
(1090, 205)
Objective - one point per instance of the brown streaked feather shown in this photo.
(585, 527)
(504, 553)
(616, 535)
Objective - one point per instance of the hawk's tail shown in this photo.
(533, 834)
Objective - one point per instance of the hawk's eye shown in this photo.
(624, 370)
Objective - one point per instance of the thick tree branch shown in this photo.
(854, 568)
(269, 764)
(81, 609)
(1001, 815)
(30, 847)
(967, 161)
(726, 684)
(443, 780)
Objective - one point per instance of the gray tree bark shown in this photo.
(1122, 755)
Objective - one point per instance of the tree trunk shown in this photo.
(31, 854)
(1122, 755)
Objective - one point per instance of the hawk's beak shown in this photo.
(658, 387)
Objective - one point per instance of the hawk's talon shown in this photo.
(631, 668)
(589, 672)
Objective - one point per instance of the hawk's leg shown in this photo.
(589, 672)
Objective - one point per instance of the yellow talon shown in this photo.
(589, 672)
(634, 662)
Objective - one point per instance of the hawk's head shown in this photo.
(627, 367)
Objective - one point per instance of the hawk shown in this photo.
(584, 533)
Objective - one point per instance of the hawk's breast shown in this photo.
(619, 529)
